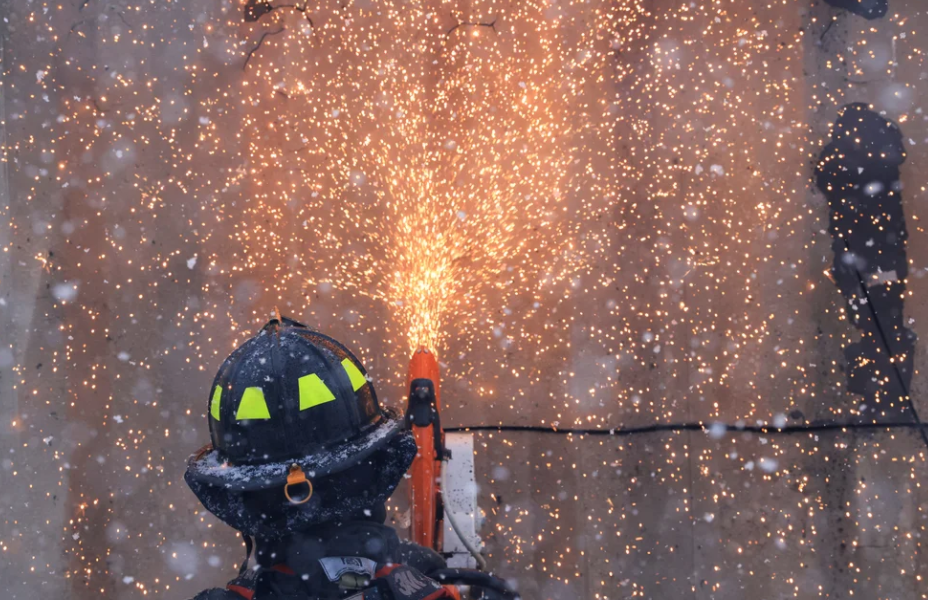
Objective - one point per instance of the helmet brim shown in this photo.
(209, 467)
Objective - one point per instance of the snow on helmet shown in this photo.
(295, 423)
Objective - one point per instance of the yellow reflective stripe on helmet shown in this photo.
(313, 392)
(214, 403)
(354, 374)
(253, 405)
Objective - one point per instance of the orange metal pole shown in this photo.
(424, 490)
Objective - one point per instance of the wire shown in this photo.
(886, 346)
(659, 427)
(481, 561)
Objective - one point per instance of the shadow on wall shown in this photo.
(868, 9)
(859, 174)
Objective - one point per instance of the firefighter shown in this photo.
(302, 460)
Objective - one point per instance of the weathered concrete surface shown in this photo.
(635, 527)
(717, 309)
(839, 537)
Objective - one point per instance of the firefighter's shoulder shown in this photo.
(242, 587)
(219, 594)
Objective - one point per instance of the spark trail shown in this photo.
(440, 163)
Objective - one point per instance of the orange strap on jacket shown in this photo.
(241, 591)
(452, 592)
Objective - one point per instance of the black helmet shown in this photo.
(298, 436)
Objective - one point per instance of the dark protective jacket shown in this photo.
(357, 560)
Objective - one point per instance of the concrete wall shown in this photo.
(705, 300)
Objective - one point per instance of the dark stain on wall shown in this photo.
(868, 9)
(858, 172)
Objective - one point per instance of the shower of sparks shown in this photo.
(444, 169)
(424, 166)
(590, 199)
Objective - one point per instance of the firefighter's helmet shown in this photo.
(298, 436)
